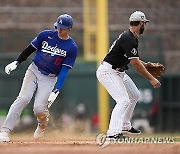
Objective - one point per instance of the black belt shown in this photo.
(113, 67)
(118, 69)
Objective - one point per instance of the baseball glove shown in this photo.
(155, 69)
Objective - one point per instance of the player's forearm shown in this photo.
(144, 63)
(140, 68)
(62, 76)
(26, 53)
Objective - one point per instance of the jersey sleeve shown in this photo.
(71, 57)
(37, 42)
(61, 77)
(130, 48)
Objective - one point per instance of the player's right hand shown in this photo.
(155, 83)
(10, 67)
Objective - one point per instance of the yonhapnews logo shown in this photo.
(102, 141)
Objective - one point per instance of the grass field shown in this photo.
(59, 143)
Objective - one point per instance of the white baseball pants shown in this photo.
(123, 90)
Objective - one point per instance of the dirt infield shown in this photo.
(60, 144)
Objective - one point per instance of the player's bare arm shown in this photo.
(140, 68)
(144, 63)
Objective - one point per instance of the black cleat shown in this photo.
(118, 136)
(132, 131)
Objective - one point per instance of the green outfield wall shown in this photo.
(81, 88)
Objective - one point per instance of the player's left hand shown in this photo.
(155, 69)
(52, 97)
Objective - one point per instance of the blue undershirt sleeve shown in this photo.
(62, 76)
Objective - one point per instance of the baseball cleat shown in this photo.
(4, 137)
(118, 136)
(132, 131)
(39, 132)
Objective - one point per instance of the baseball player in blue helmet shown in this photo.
(55, 53)
(64, 21)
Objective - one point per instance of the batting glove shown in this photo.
(10, 67)
(52, 97)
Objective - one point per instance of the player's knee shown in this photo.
(41, 111)
(134, 99)
(38, 110)
(124, 102)
(136, 95)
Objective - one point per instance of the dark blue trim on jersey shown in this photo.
(62, 76)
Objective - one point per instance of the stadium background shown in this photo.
(76, 109)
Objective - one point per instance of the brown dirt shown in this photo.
(60, 144)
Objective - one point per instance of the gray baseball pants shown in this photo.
(33, 83)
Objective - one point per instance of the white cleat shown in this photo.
(39, 132)
(4, 137)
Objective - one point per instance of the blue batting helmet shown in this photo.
(64, 21)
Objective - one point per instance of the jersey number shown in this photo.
(57, 61)
(114, 43)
